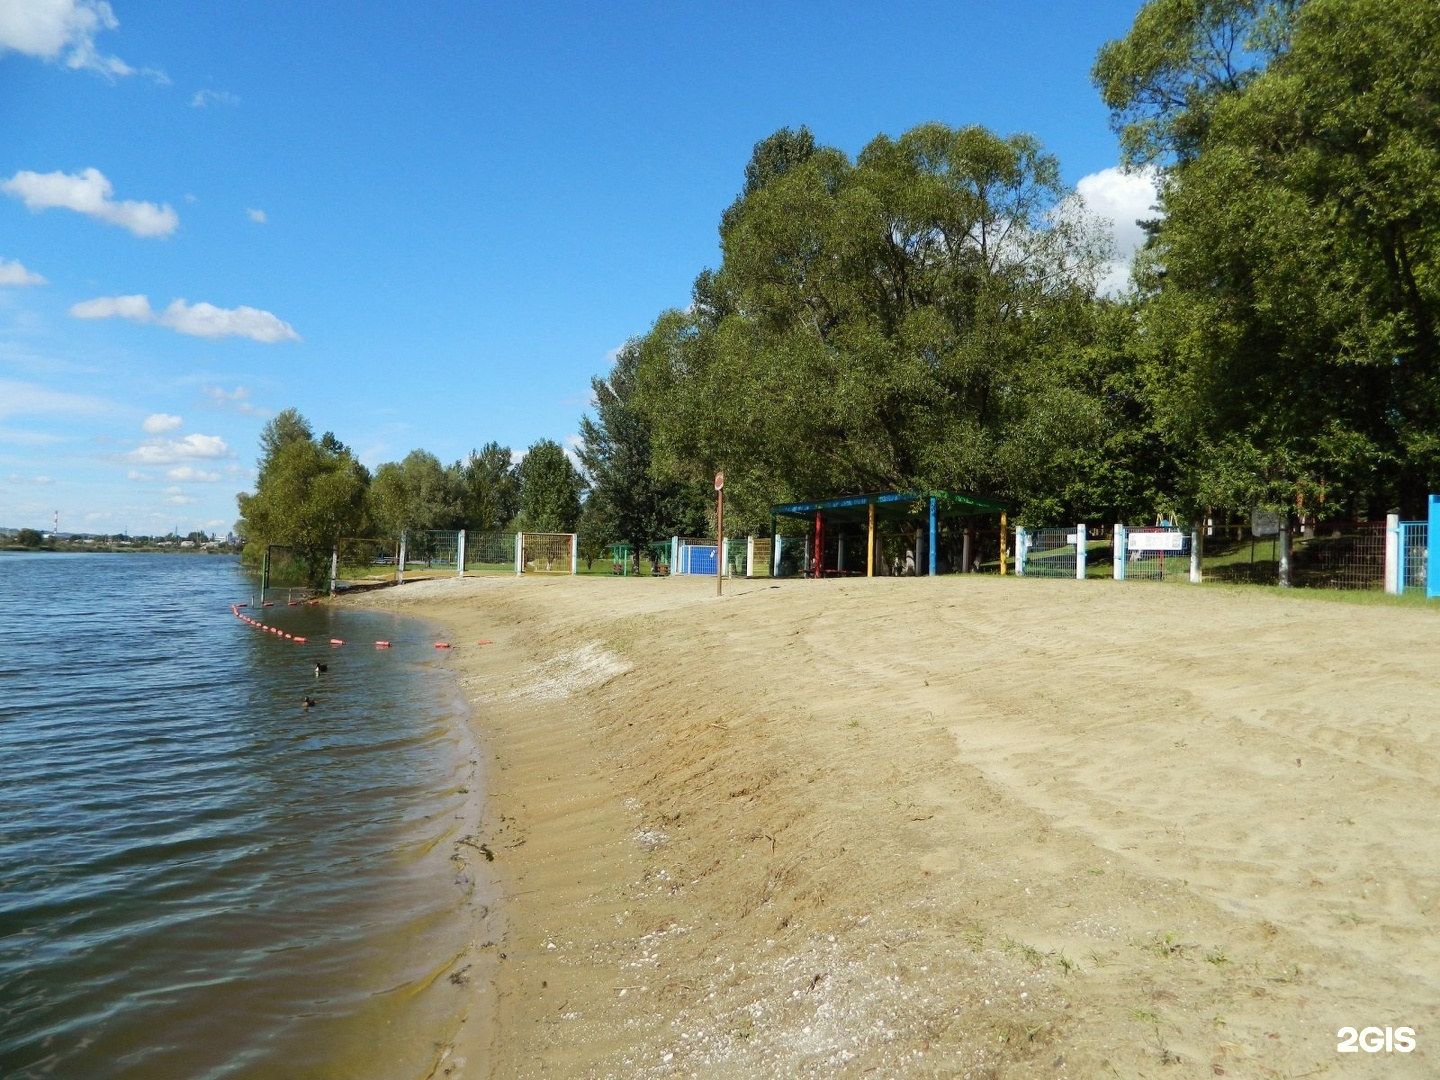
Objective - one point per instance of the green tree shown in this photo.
(908, 319)
(627, 500)
(550, 489)
(307, 496)
(491, 488)
(1291, 304)
(29, 538)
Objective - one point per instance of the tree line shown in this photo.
(924, 314)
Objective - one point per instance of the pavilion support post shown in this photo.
(870, 545)
(932, 545)
(1004, 543)
(967, 553)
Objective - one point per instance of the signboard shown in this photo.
(1072, 538)
(1136, 540)
(1264, 522)
(719, 481)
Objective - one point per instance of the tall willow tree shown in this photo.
(917, 317)
(1293, 286)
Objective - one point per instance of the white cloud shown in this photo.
(170, 451)
(197, 320)
(177, 497)
(191, 475)
(12, 273)
(1123, 199)
(159, 423)
(42, 480)
(90, 193)
(257, 216)
(204, 98)
(237, 400)
(49, 28)
(136, 474)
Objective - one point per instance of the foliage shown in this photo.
(908, 319)
(29, 538)
(629, 501)
(308, 495)
(550, 489)
(1292, 292)
(490, 495)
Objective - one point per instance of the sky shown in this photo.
(424, 225)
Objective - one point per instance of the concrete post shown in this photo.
(1080, 552)
(519, 553)
(574, 554)
(1196, 544)
(1284, 546)
(400, 566)
(1121, 552)
(460, 554)
(1022, 548)
(1394, 583)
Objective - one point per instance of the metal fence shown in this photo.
(548, 553)
(1339, 555)
(1048, 553)
(1155, 554)
(489, 552)
(1234, 553)
(1414, 551)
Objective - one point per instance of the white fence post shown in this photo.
(574, 554)
(1121, 553)
(1392, 554)
(519, 554)
(722, 552)
(1195, 553)
(750, 556)
(675, 555)
(1284, 546)
(334, 567)
(400, 569)
(1022, 548)
(1080, 553)
(776, 542)
(460, 555)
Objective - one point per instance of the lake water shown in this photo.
(199, 878)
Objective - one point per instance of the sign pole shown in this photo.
(719, 532)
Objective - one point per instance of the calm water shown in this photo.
(199, 878)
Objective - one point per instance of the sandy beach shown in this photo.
(960, 827)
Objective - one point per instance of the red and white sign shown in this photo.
(719, 481)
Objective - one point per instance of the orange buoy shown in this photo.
(298, 640)
(487, 641)
(268, 603)
(442, 644)
(336, 641)
(382, 644)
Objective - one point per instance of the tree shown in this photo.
(550, 489)
(491, 488)
(627, 500)
(29, 538)
(905, 320)
(1292, 289)
(308, 495)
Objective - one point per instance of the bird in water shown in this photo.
(308, 702)
(320, 669)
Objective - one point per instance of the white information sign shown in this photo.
(1136, 540)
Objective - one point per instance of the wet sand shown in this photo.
(963, 827)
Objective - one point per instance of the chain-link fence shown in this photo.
(431, 553)
(1155, 554)
(1339, 555)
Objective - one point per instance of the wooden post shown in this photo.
(1004, 543)
(870, 545)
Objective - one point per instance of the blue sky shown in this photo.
(424, 225)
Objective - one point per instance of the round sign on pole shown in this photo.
(719, 481)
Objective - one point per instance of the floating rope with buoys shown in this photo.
(298, 639)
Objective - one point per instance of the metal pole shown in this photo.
(870, 544)
(1080, 552)
(931, 539)
(1284, 553)
(1004, 543)
(1118, 547)
(719, 539)
(1195, 553)
(1393, 554)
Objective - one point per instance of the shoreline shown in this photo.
(968, 827)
